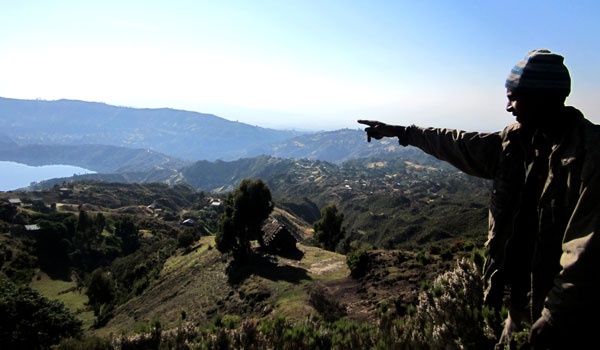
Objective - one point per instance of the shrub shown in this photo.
(185, 238)
(434, 249)
(450, 315)
(330, 309)
(30, 321)
(100, 290)
(359, 263)
(423, 258)
(477, 258)
(328, 230)
(85, 343)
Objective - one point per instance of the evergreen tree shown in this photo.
(328, 230)
(128, 232)
(99, 290)
(245, 211)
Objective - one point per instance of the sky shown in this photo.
(306, 65)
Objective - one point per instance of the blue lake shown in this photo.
(15, 175)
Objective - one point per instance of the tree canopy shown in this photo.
(245, 211)
(30, 321)
(328, 230)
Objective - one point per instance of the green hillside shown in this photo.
(402, 229)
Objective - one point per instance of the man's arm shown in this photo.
(474, 153)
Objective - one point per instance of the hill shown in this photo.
(99, 158)
(332, 146)
(178, 133)
(393, 202)
(162, 280)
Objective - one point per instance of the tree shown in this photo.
(7, 212)
(245, 211)
(186, 238)
(128, 232)
(30, 321)
(99, 223)
(99, 290)
(328, 230)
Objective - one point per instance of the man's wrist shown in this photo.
(402, 133)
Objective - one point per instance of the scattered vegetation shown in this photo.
(118, 245)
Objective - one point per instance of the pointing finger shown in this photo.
(368, 122)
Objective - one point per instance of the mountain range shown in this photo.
(78, 127)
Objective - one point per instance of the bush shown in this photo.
(100, 290)
(185, 239)
(423, 258)
(30, 321)
(329, 308)
(450, 315)
(359, 263)
(328, 230)
(85, 343)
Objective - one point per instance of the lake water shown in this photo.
(15, 175)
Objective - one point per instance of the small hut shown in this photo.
(15, 201)
(188, 222)
(277, 238)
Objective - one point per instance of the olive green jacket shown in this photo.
(543, 232)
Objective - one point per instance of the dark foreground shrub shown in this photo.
(85, 343)
(359, 263)
(30, 321)
(329, 308)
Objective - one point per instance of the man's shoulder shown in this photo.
(511, 130)
(585, 136)
(585, 131)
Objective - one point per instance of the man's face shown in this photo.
(525, 109)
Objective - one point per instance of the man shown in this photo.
(543, 243)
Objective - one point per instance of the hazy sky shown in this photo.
(297, 64)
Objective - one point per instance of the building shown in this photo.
(33, 227)
(188, 222)
(15, 201)
(277, 238)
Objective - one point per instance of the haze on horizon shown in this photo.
(309, 65)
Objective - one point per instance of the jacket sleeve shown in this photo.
(575, 290)
(474, 153)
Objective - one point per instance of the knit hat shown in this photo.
(541, 71)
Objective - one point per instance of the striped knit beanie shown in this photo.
(541, 71)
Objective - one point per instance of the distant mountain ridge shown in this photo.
(183, 134)
(332, 146)
(99, 158)
(176, 133)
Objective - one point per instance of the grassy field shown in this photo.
(195, 282)
(67, 293)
